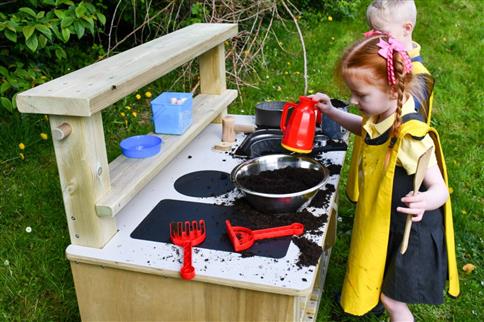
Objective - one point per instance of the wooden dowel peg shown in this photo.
(245, 128)
(228, 129)
(62, 131)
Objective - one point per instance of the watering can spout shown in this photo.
(298, 134)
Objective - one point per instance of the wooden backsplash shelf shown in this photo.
(93, 190)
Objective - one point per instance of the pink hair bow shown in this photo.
(386, 51)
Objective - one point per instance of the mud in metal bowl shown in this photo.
(278, 203)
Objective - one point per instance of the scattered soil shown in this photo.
(288, 181)
(334, 169)
(337, 144)
(281, 181)
(321, 199)
(310, 251)
(260, 220)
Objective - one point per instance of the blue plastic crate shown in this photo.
(169, 118)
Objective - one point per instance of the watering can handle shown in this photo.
(285, 110)
(319, 116)
(289, 230)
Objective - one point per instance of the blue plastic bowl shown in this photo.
(140, 146)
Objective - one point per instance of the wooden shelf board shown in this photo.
(95, 87)
(128, 176)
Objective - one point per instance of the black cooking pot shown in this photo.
(329, 127)
(268, 114)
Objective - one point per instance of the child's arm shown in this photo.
(349, 121)
(435, 196)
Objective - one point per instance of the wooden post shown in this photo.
(84, 177)
(212, 74)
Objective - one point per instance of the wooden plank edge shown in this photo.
(176, 274)
(89, 105)
(111, 203)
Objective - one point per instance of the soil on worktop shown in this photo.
(310, 251)
(281, 181)
(334, 169)
(259, 220)
(321, 199)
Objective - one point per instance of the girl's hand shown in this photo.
(435, 196)
(417, 204)
(324, 102)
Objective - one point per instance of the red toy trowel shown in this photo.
(243, 238)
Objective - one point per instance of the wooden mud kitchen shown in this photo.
(118, 213)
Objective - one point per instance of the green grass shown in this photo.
(35, 276)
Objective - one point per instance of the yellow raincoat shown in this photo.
(371, 228)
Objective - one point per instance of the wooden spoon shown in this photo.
(422, 164)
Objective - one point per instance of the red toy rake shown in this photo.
(187, 235)
(243, 238)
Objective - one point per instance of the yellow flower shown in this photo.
(148, 94)
(310, 91)
(122, 114)
(288, 63)
(138, 96)
(44, 136)
(46, 117)
(134, 113)
(128, 108)
(468, 268)
(126, 122)
(451, 190)
(332, 38)
(21, 146)
(21, 156)
(330, 18)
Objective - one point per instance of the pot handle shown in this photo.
(285, 110)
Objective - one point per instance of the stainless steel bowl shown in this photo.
(278, 203)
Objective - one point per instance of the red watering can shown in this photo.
(298, 134)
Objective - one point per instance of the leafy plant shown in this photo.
(35, 32)
(342, 8)
(198, 12)
(334, 8)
